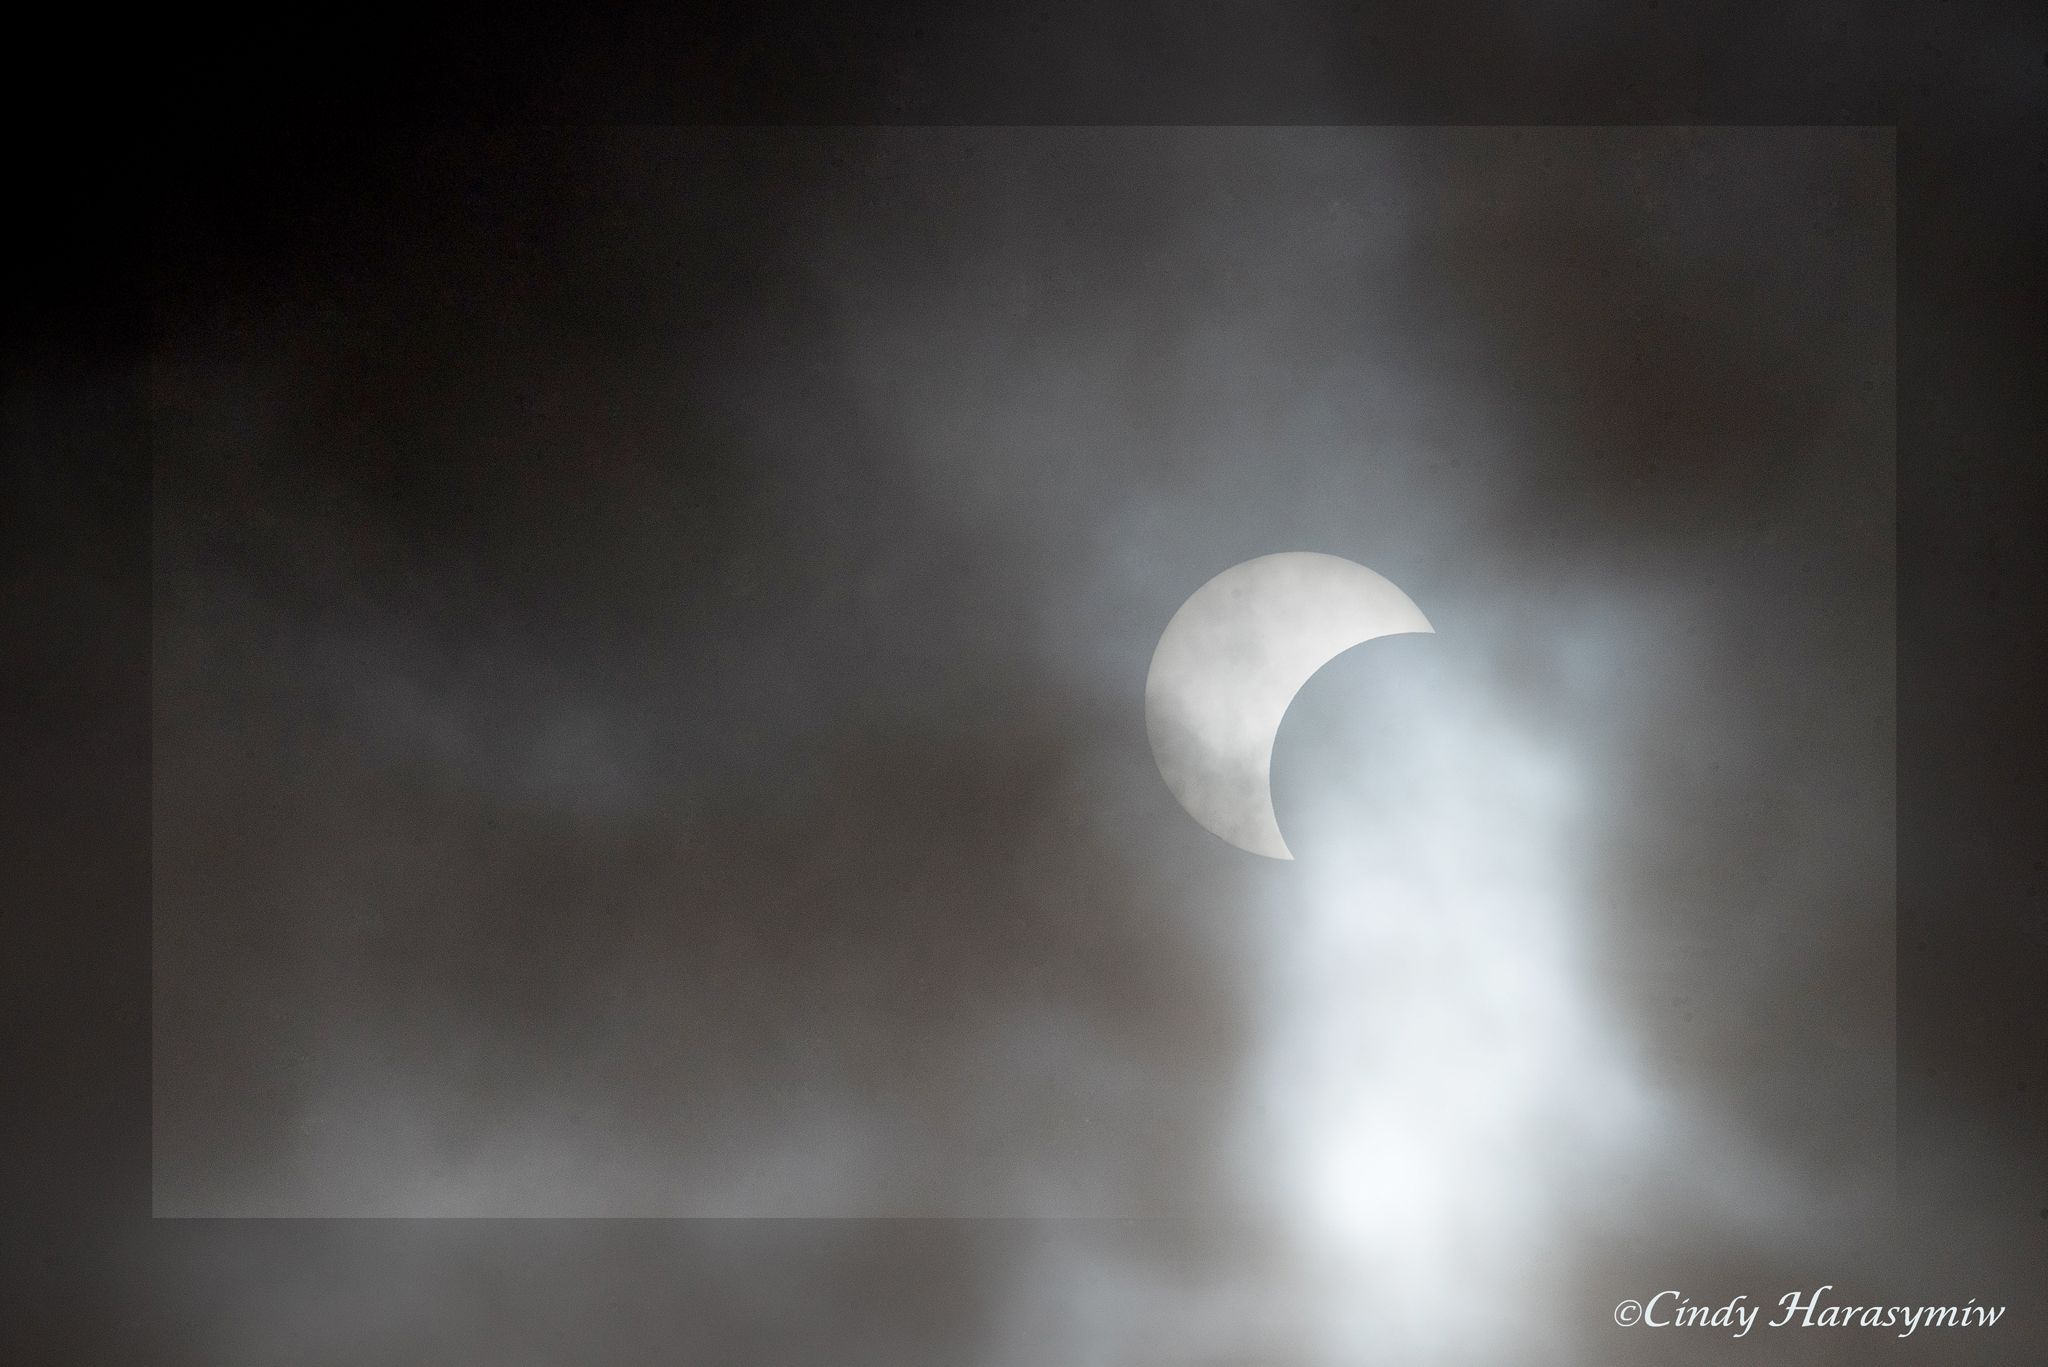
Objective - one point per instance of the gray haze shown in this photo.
(650, 645)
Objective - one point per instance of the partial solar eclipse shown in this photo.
(1229, 664)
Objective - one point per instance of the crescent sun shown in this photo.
(1229, 664)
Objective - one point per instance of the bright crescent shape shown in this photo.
(1229, 664)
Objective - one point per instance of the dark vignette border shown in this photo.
(284, 123)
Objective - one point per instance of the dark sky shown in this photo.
(649, 641)
(633, 700)
(647, 633)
